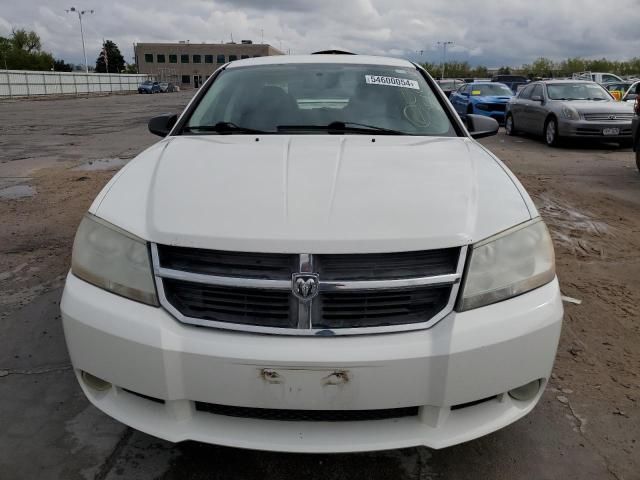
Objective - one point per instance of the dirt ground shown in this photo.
(56, 154)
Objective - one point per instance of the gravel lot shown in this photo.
(56, 154)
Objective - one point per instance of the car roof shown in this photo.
(344, 59)
(549, 82)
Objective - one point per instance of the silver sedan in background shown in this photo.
(558, 109)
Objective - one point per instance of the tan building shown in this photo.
(189, 64)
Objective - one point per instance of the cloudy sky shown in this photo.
(487, 32)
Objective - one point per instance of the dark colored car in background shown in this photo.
(149, 87)
(635, 126)
(511, 81)
(482, 98)
(450, 85)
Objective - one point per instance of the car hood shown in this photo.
(592, 106)
(314, 193)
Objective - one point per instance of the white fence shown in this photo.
(21, 83)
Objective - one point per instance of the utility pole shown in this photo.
(81, 13)
(444, 55)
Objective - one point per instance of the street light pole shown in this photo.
(80, 14)
(444, 55)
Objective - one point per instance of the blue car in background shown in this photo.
(482, 98)
(149, 87)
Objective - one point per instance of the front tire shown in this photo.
(509, 125)
(551, 136)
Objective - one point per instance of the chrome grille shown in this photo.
(607, 117)
(234, 264)
(387, 265)
(351, 294)
(380, 307)
(246, 306)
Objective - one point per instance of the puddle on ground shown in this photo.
(17, 191)
(101, 164)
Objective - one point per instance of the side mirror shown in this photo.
(162, 124)
(480, 126)
(536, 98)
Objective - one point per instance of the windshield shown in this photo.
(491, 89)
(304, 98)
(577, 91)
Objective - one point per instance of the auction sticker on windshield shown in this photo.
(391, 81)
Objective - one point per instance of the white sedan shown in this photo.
(317, 257)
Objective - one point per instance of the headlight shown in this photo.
(113, 259)
(508, 264)
(570, 113)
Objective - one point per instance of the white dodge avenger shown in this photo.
(317, 257)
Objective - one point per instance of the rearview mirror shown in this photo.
(480, 126)
(162, 124)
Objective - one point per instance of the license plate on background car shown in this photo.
(611, 131)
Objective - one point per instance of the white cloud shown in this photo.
(491, 32)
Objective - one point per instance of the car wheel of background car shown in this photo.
(509, 125)
(551, 132)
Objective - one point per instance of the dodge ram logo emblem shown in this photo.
(305, 285)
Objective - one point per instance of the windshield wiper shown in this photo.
(221, 128)
(342, 127)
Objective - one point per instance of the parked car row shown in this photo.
(149, 86)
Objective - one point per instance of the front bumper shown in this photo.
(464, 358)
(588, 129)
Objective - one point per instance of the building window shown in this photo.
(160, 58)
(148, 57)
(197, 59)
(220, 59)
(186, 79)
(184, 58)
(244, 56)
(208, 59)
(233, 58)
(173, 59)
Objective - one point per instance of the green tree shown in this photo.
(22, 51)
(542, 67)
(27, 41)
(60, 66)
(131, 68)
(110, 59)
